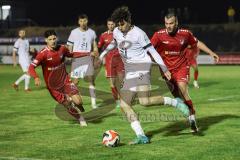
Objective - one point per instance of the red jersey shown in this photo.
(104, 40)
(52, 61)
(192, 53)
(171, 47)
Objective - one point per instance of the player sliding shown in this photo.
(58, 83)
(133, 45)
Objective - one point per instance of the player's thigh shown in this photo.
(183, 87)
(24, 66)
(126, 97)
(143, 93)
(112, 81)
(77, 99)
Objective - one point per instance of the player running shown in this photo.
(113, 63)
(170, 44)
(21, 47)
(192, 54)
(133, 45)
(58, 83)
(82, 39)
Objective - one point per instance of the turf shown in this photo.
(30, 128)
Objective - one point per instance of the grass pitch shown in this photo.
(30, 129)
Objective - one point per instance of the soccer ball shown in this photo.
(111, 138)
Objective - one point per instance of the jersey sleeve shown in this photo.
(36, 62)
(144, 40)
(192, 40)
(16, 46)
(154, 39)
(100, 42)
(71, 39)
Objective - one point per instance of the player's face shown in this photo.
(110, 25)
(83, 23)
(22, 34)
(51, 41)
(124, 26)
(171, 24)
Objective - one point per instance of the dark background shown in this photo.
(65, 12)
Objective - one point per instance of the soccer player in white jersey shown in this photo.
(133, 45)
(21, 47)
(82, 39)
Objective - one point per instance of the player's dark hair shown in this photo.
(170, 15)
(120, 14)
(109, 19)
(49, 33)
(82, 16)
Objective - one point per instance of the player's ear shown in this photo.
(46, 40)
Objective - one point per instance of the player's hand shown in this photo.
(216, 57)
(167, 75)
(37, 81)
(94, 54)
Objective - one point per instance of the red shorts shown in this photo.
(68, 88)
(114, 65)
(181, 74)
(193, 62)
(191, 54)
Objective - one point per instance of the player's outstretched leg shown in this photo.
(125, 104)
(75, 108)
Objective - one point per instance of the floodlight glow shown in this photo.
(7, 7)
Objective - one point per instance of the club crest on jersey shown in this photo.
(181, 41)
(125, 44)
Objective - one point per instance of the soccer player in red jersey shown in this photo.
(170, 44)
(192, 53)
(113, 63)
(59, 84)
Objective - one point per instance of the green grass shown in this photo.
(30, 129)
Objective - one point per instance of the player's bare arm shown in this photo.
(202, 46)
(95, 52)
(14, 59)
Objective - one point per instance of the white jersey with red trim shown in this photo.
(132, 45)
(81, 40)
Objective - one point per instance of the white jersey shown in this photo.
(21, 46)
(132, 45)
(82, 40)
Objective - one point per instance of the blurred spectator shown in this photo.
(231, 14)
(186, 15)
(179, 15)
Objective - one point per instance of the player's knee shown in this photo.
(144, 101)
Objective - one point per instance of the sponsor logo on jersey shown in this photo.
(165, 42)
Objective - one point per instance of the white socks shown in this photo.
(137, 128)
(26, 78)
(170, 101)
(92, 95)
(192, 117)
(20, 79)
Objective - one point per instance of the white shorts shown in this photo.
(136, 74)
(82, 67)
(24, 66)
